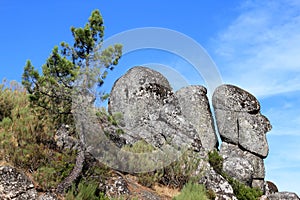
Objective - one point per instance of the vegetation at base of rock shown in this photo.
(192, 191)
(241, 191)
(181, 171)
(210, 194)
(85, 191)
(176, 175)
(216, 161)
(24, 134)
(52, 173)
(140, 146)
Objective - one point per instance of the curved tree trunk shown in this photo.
(67, 182)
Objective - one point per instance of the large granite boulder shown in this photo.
(195, 108)
(233, 98)
(15, 185)
(242, 129)
(239, 120)
(239, 168)
(150, 110)
(231, 152)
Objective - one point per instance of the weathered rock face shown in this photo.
(195, 107)
(239, 168)
(270, 188)
(151, 111)
(48, 196)
(283, 195)
(239, 120)
(232, 98)
(133, 93)
(116, 186)
(230, 151)
(243, 131)
(218, 184)
(64, 140)
(15, 185)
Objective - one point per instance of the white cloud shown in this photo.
(261, 48)
(259, 52)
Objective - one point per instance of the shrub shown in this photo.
(23, 132)
(240, 190)
(7, 98)
(243, 192)
(216, 161)
(26, 140)
(180, 172)
(192, 191)
(85, 191)
(57, 167)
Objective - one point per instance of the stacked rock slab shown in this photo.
(195, 107)
(243, 132)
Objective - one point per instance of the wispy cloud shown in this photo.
(261, 47)
(259, 51)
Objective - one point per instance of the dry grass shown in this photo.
(166, 191)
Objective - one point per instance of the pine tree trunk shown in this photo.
(67, 182)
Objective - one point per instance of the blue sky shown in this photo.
(255, 45)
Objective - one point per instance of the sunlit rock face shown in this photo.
(243, 131)
(195, 108)
(151, 111)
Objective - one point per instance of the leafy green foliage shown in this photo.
(6, 101)
(26, 140)
(175, 175)
(192, 191)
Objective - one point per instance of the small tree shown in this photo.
(52, 89)
(83, 62)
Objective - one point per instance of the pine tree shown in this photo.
(54, 87)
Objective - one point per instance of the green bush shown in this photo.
(85, 191)
(216, 161)
(27, 140)
(180, 172)
(23, 133)
(243, 192)
(240, 190)
(57, 167)
(192, 191)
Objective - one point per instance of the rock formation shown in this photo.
(152, 112)
(195, 108)
(243, 131)
(15, 185)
